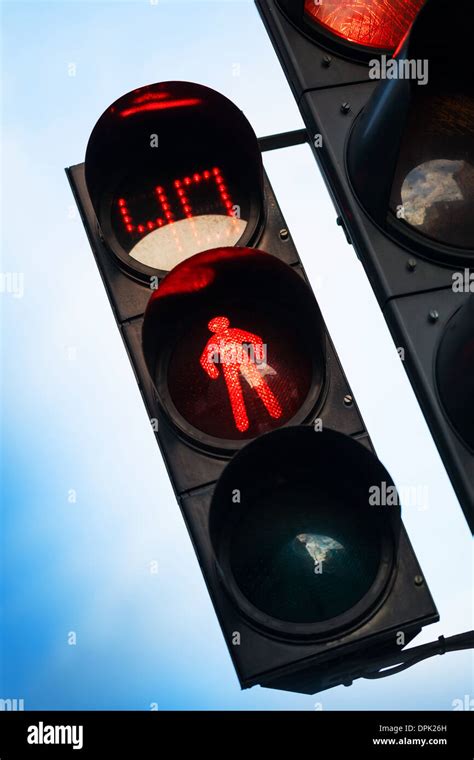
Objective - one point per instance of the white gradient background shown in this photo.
(79, 423)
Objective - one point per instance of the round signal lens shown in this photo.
(241, 345)
(301, 549)
(295, 558)
(433, 188)
(376, 24)
(161, 196)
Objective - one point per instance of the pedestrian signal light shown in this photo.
(233, 341)
(235, 365)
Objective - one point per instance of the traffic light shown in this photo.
(386, 92)
(295, 522)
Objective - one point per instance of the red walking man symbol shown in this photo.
(228, 347)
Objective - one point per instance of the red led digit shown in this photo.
(183, 187)
(183, 198)
(165, 205)
(149, 224)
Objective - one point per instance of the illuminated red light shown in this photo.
(237, 367)
(237, 364)
(184, 202)
(379, 24)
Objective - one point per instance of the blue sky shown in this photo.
(86, 502)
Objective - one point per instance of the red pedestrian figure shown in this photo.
(228, 346)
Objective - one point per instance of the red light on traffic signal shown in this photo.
(184, 198)
(377, 24)
(241, 356)
(226, 391)
(232, 341)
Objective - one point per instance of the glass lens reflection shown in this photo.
(433, 188)
(436, 191)
(303, 557)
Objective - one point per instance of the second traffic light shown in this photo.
(386, 91)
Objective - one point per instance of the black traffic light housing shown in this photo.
(360, 130)
(165, 323)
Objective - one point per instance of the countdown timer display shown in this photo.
(162, 196)
(163, 224)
